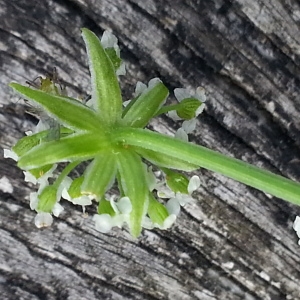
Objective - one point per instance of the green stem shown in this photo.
(65, 172)
(266, 181)
(167, 108)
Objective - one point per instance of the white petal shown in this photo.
(194, 184)
(10, 154)
(103, 222)
(139, 89)
(173, 207)
(147, 223)
(124, 205)
(296, 224)
(165, 192)
(29, 132)
(65, 194)
(181, 93)
(118, 220)
(57, 209)
(199, 109)
(121, 71)
(108, 40)
(173, 115)
(125, 103)
(33, 197)
(43, 219)
(28, 177)
(181, 135)
(189, 125)
(200, 94)
(183, 199)
(168, 222)
(153, 82)
(83, 200)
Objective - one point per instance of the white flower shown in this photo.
(82, 200)
(189, 125)
(43, 180)
(296, 227)
(181, 94)
(181, 135)
(178, 199)
(10, 154)
(43, 220)
(105, 222)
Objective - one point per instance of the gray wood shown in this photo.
(231, 242)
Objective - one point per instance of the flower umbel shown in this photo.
(113, 139)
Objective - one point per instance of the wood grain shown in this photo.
(231, 242)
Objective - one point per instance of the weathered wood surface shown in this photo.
(232, 242)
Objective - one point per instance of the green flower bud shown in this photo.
(47, 199)
(177, 182)
(75, 187)
(157, 211)
(188, 107)
(105, 207)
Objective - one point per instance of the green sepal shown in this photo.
(115, 59)
(47, 199)
(99, 175)
(106, 92)
(177, 182)
(156, 211)
(75, 188)
(39, 172)
(70, 112)
(187, 108)
(132, 176)
(146, 106)
(104, 207)
(70, 148)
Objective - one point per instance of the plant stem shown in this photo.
(266, 181)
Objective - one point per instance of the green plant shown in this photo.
(112, 137)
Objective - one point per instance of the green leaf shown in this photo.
(164, 160)
(70, 112)
(28, 142)
(71, 148)
(157, 211)
(99, 175)
(106, 92)
(146, 106)
(134, 184)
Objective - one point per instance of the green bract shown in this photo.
(114, 141)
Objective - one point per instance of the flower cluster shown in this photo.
(71, 131)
